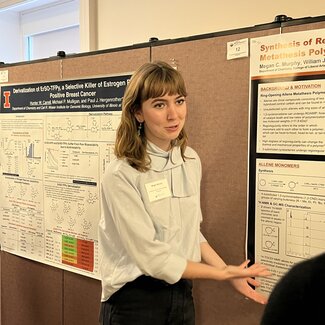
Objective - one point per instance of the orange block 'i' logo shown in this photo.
(6, 95)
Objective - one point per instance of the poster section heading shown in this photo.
(98, 94)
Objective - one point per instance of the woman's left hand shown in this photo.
(242, 285)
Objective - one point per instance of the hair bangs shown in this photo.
(163, 82)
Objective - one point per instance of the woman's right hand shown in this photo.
(195, 270)
(243, 271)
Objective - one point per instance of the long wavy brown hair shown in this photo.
(151, 80)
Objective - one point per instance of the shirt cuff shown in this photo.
(173, 270)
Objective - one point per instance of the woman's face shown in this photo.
(163, 118)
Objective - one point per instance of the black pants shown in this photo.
(148, 301)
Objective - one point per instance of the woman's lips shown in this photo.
(172, 128)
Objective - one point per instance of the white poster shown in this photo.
(286, 208)
(55, 141)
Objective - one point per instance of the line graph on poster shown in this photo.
(305, 233)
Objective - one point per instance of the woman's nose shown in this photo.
(171, 112)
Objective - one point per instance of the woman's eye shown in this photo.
(180, 101)
(159, 105)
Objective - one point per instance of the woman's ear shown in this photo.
(139, 116)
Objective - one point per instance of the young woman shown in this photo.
(149, 232)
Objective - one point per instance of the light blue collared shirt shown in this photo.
(144, 233)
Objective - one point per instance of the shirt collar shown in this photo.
(163, 160)
(181, 183)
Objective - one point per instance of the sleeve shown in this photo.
(202, 238)
(136, 230)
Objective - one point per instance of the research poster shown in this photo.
(56, 139)
(286, 183)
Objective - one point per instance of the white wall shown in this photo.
(55, 16)
(10, 45)
(52, 28)
(127, 22)
(115, 23)
(16, 25)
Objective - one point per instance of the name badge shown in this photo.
(158, 190)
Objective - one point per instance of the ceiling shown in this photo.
(21, 5)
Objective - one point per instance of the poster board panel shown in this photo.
(82, 295)
(297, 28)
(104, 63)
(81, 299)
(34, 72)
(31, 292)
(72, 286)
(35, 286)
(217, 125)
